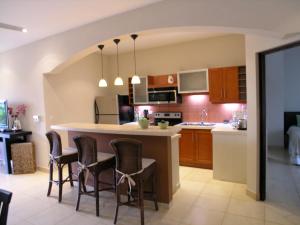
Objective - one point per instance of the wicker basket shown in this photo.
(23, 158)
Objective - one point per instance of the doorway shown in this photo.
(276, 157)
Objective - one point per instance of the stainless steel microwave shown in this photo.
(162, 96)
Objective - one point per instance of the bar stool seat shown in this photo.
(103, 156)
(69, 151)
(68, 154)
(146, 162)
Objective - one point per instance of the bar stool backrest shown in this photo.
(5, 197)
(128, 155)
(87, 149)
(55, 143)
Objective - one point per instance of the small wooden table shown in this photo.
(8, 138)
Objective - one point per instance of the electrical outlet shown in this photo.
(36, 118)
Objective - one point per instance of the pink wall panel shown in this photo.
(191, 107)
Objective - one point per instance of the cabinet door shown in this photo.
(140, 92)
(193, 81)
(231, 84)
(187, 149)
(216, 89)
(203, 148)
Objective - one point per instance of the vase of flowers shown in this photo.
(15, 113)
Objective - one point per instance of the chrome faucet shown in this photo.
(203, 116)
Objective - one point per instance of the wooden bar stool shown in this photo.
(60, 157)
(5, 198)
(133, 171)
(93, 162)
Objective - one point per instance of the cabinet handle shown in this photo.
(224, 93)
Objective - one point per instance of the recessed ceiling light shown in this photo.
(24, 30)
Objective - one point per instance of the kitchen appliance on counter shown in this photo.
(242, 124)
(163, 95)
(113, 109)
(173, 118)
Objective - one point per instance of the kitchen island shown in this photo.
(158, 144)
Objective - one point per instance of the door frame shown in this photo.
(262, 114)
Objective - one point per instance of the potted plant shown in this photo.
(15, 113)
(143, 123)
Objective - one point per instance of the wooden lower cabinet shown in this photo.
(196, 148)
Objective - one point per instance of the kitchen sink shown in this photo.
(204, 124)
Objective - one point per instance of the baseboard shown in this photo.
(253, 195)
(42, 169)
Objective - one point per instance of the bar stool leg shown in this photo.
(70, 174)
(50, 178)
(60, 181)
(141, 201)
(79, 190)
(96, 190)
(117, 207)
(83, 182)
(154, 190)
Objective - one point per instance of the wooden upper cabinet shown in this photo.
(215, 85)
(231, 84)
(224, 85)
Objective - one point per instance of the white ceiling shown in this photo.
(44, 18)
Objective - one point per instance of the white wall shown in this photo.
(292, 79)
(275, 72)
(22, 69)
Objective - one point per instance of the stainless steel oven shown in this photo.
(172, 117)
(162, 96)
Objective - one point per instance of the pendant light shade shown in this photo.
(135, 78)
(118, 80)
(102, 81)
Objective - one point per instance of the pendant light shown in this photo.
(118, 80)
(135, 78)
(102, 81)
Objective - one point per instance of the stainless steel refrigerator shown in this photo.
(113, 110)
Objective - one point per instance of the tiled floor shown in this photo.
(201, 200)
(283, 188)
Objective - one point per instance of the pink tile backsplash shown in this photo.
(191, 107)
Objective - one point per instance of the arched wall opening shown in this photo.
(70, 89)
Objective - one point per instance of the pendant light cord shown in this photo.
(101, 49)
(101, 65)
(117, 59)
(134, 57)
